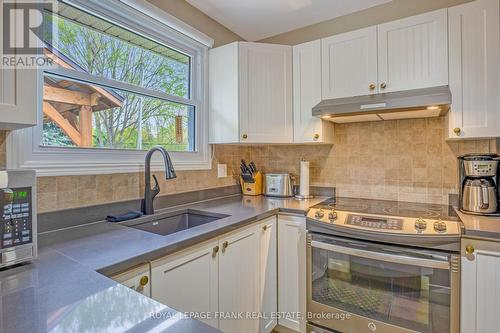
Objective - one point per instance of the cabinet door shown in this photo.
(307, 93)
(137, 279)
(480, 287)
(187, 281)
(268, 274)
(413, 52)
(266, 93)
(18, 95)
(474, 69)
(239, 279)
(223, 99)
(349, 64)
(292, 270)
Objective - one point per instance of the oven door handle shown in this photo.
(413, 261)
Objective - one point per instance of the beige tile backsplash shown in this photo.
(407, 160)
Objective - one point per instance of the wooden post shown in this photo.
(85, 121)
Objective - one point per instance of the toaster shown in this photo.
(278, 185)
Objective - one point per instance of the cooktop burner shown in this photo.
(394, 222)
(391, 208)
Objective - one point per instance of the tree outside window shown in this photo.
(90, 114)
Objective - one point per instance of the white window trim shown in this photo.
(24, 151)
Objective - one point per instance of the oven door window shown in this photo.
(413, 297)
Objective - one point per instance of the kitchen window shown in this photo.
(123, 82)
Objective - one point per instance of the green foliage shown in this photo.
(53, 136)
(141, 122)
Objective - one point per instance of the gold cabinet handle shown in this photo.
(316, 137)
(225, 245)
(215, 250)
(457, 131)
(469, 250)
(372, 86)
(383, 85)
(264, 227)
(244, 136)
(144, 281)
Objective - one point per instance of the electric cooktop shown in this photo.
(408, 223)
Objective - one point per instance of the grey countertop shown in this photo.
(61, 291)
(480, 226)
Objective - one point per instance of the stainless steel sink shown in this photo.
(169, 223)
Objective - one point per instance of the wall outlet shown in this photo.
(221, 170)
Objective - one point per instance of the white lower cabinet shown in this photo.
(480, 292)
(268, 274)
(232, 275)
(188, 281)
(292, 270)
(239, 279)
(137, 278)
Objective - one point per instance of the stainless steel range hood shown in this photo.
(416, 103)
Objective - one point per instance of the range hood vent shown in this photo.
(416, 103)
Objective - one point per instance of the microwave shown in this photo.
(18, 232)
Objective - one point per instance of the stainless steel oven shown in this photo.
(355, 286)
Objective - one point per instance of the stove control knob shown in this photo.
(440, 225)
(420, 224)
(319, 214)
(332, 215)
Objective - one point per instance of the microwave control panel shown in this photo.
(16, 217)
(375, 222)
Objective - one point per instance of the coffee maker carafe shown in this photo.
(479, 174)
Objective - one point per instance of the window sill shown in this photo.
(70, 169)
(62, 162)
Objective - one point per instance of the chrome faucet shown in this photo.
(151, 193)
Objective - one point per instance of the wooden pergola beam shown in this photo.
(66, 96)
(103, 92)
(64, 124)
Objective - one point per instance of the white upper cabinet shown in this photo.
(251, 93)
(475, 69)
(349, 62)
(18, 95)
(413, 52)
(266, 93)
(307, 93)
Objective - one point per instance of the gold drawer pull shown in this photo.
(469, 250)
(215, 250)
(144, 281)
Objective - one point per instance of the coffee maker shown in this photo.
(479, 184)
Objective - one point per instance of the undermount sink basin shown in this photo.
(169, 223)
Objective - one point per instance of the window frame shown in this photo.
(24, 148)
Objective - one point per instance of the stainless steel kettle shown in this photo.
(480, 196)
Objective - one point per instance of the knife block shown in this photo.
(254, 188)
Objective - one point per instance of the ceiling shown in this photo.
(258, 19)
